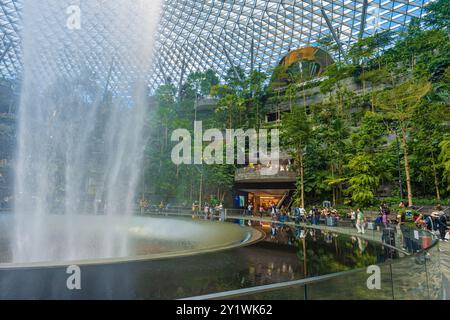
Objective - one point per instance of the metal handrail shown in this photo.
(271, 287)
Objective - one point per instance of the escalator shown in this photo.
(287, 201)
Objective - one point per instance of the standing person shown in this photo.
(222, 212)
(310, 216)
(273, 210)
(360, 221)
(250, 209)
(315, 215)
(353, 217)
(142, 205)
(302, 212)
(246, 210)
(194, 210)
(261, 211)
(384, 215)
(211, 212)
(273, 231)
(297, 215)
(384, 218)
(206, 211)
(442, 226)
(430, 222)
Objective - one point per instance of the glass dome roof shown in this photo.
(206, 34)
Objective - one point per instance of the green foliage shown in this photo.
(376, 76)
(328, 44)
(200, 83)
(363, 180)
(438, 14)
(296, 130)
(371, 134)
(345, 148)
(335, 73)
(368, 48)
(399, 103)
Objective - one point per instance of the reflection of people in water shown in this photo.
(362, 244)
(328, 237)
(273, 231)
(299, 232)
(313, 235)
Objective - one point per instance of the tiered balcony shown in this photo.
(254, 175)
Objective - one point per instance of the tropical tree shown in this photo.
(444, 158)
(295, 134)
(398, 105)
(200, 83)
(438, 15)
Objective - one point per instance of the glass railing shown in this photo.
(412, 273)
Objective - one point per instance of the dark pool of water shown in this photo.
(277, 259)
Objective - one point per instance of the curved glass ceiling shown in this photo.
(217, 34)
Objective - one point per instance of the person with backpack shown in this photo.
(442, 226)
(430, 222)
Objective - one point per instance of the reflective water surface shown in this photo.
(286, 256)
(80, 238)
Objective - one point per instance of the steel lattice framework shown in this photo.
(219, 34)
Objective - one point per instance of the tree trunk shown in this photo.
(333, 186)
(302, 180)
(408, 178)
(436, 180)
(200, 197)
(373, 102)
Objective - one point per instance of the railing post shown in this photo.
(392, 280)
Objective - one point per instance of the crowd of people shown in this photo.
(436, 222)
(210, 211)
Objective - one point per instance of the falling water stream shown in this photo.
(83, 104)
